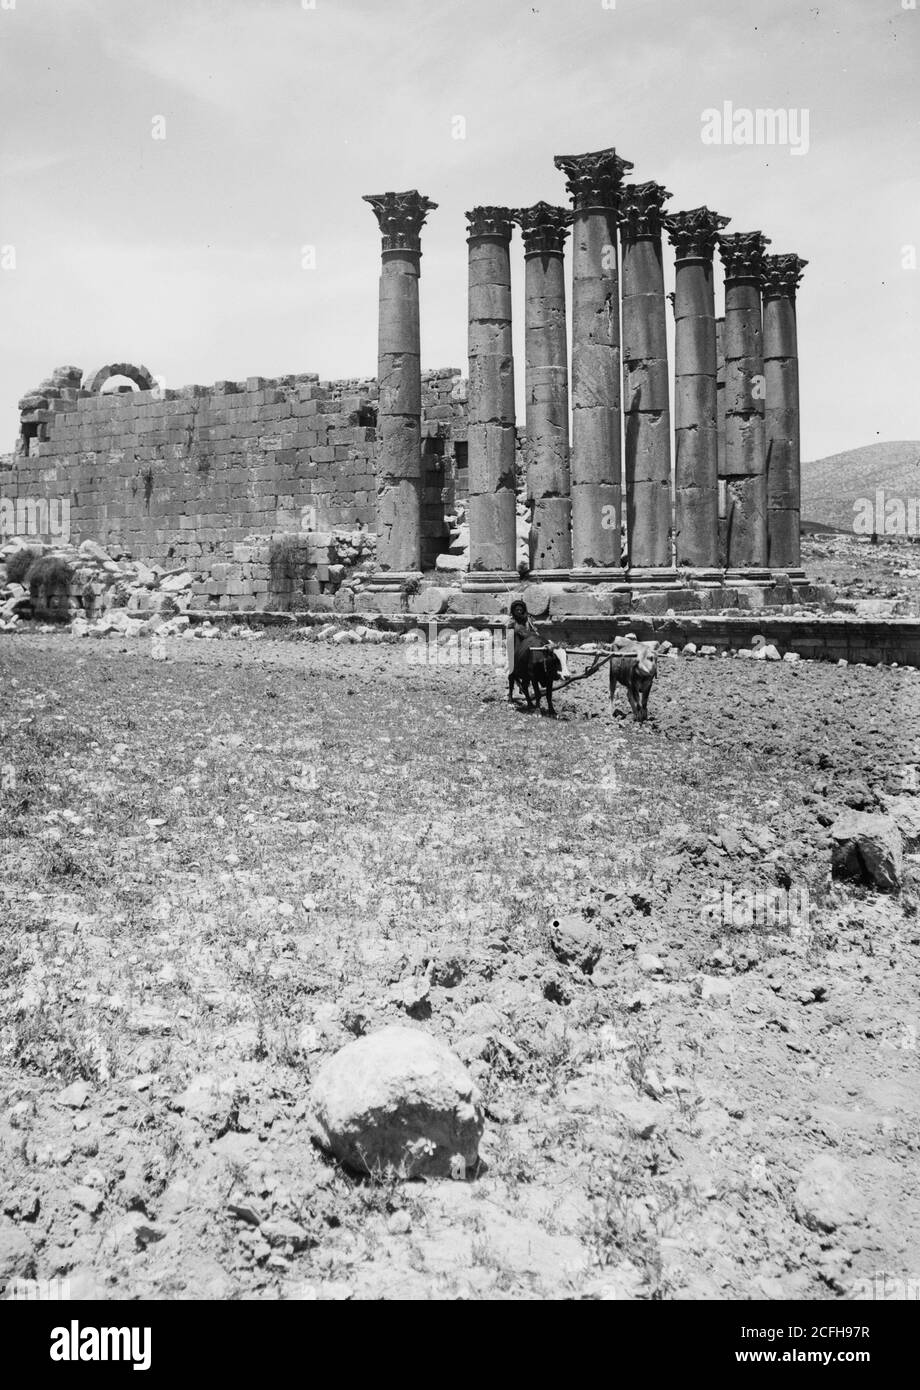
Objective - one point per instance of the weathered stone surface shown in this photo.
(868, 848)
(694, 235)
(745, 463)
(646, 405)
(398, 1098)
(399, 468)
(544, 229)
(593, 181)
(825, 1197)
(780, 277)
(904, 810)
(575, 941)
(17, 1260)
(430, 600)
(490, 408)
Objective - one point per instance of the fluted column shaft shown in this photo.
(720, 428)
(745, 454)
(781, 276)
(696, 484)
(593, 181)
(544, 230)
(646, 404)
(399, 454)
(490, 408)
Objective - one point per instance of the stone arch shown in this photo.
(139, 375)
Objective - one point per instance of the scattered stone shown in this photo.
(87, 1198)
(904, 810)
(282, 1231)
(399, 1223)
(203, 1097)
(868, 848)
(825, 1197)
(714, 989)
(75, 1095)
(245, 1211)
(574, 941)
(17, 1260)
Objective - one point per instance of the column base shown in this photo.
(390, 581)
(647, 577)
(592, 574)
(549, 577)
(750, 574)
(489, 581)
(701, 577)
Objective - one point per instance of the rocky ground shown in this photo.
(220, 868)
(881, 580)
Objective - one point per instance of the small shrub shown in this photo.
(19, 563)
(49, 585)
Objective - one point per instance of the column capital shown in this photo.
(543, 227)
(780, 275)
(640, 210)
(694, 233)
(593, 180)
(490, 221)
(742, 255)
(400, 217)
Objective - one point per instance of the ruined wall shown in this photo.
(181, 477)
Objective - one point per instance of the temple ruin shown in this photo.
(621, 514)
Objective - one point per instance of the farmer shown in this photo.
(524, 629)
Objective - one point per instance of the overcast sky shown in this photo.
(186, 253)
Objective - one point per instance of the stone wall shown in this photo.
(187, 477)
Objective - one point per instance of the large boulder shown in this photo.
(400, 1099)
(869, 849)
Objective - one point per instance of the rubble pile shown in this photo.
(105, 593)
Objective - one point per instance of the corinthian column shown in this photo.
(780, 279)
(490, 408)
(696, 479)
(745, 454)
(544, 229)
(399, 455)
(645, 379)
(593, 181)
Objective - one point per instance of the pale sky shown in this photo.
(185, 253)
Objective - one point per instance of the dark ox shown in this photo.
(537, 667)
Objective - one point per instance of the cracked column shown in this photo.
(745, 453)
(696, 473)
(399, 456)
(593, 182)
(646, 405)
(490, 408)
(720, 425)
(780, 279)
(544, 230)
